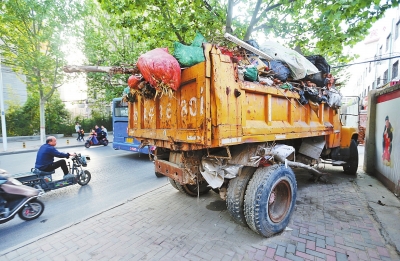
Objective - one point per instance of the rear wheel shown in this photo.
(159, 175)
(84, 178)
(270, 199)
(173, 183)
(31, 210)
(235, 196)
(352, 163)
(105, 142)
(194, 190)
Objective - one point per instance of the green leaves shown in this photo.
(33, 33)
(317, 26)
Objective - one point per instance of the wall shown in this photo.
(379, 160)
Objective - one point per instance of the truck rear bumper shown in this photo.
(175, 172)
(169, 169)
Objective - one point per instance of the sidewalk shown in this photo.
(21, 146)
(337, 220)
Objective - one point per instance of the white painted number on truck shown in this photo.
(184, 111)
(168, 111)
(187, 107)
(192, 107)
(193, 103)
(148, 115)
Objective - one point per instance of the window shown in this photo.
(378, 81)
(373, 85)
(396, 30)
(385, 77)
(388, 42)
(120, 109)
(395, 69)
(369, 69)
(380, 52)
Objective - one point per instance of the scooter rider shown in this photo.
(99, 133)
(46, 154)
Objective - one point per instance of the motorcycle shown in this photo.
(17, 198)
(102, 141)
(43, 180)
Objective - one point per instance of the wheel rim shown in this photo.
(32, 210)
(279, 201)
(83, 177)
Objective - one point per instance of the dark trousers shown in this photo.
(56, 165)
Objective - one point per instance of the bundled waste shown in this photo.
(286, 69)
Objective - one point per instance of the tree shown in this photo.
(316, 26)
(118, 38)
(24, 120)
(323, 27)
(57, 116)
(106, 45)
(32, 33)
(159, 23)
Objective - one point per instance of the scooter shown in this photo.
(19, 199)
(43, 180)
(102, 141)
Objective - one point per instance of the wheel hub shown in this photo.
(279, 201)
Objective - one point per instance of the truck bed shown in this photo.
(214, 108)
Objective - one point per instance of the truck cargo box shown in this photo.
(214, 108)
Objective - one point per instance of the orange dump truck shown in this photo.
(240, 139)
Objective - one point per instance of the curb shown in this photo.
(35, 150)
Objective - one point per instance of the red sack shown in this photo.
(160, 69)
(133, 81)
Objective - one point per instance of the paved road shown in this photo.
(337, 220)
(116, 177)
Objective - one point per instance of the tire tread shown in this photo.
(254, 195)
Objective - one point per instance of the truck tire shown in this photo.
(173, 183)
(194, 190)
(235, 196)
(159, 175)
(352, 163)
(270, 199)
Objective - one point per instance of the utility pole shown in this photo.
(3, 114)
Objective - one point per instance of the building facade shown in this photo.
(14, 87)
(379, 55)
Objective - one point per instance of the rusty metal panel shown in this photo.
(228, 104)
(312, 147)
(169, 169)
(166, 109)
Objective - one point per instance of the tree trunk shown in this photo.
(228, 26)
(42, 121)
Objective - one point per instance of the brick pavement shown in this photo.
(331, 221)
